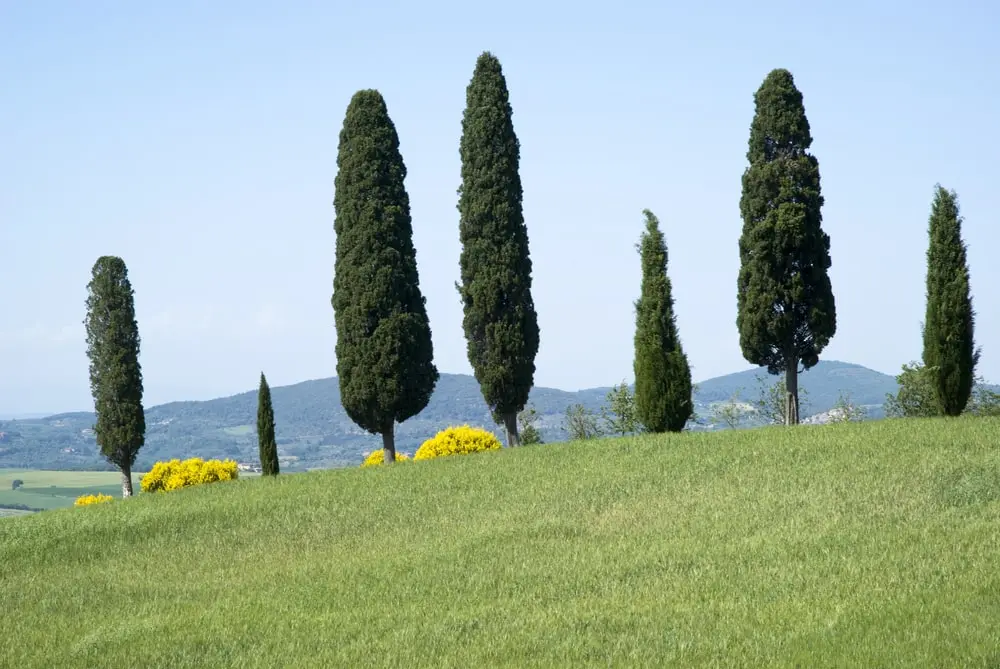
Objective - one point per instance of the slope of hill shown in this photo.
(313, 431)
(868, 545)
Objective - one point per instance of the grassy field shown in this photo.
(862, 545)
(44, 489)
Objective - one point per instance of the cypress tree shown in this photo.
(786, 310)
(384, 351)
(501, 326)
(950, 356)
(115, 373)
(663, 400)
(266, 444)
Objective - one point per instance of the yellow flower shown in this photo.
(461, 440)
(173, 475)
(378, 458)
(84, 500)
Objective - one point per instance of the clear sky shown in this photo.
(198, 141)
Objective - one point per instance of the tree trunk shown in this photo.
(388, 444)
(126, 481)
(510, 424)
(792, 391)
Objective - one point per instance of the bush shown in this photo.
(172, 475)
(84, 500)
(457, 441)
(378, 458)
(581, 423)
(527, 426)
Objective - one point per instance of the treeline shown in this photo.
(20, 507)
(785, 306)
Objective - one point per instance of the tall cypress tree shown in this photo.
(663, 400)
(115, 373)
(950, 356)
(501, 326)
(267, 446)
(385, 358)
(786, 310)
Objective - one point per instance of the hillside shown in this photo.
(313, 431)
(865, 545)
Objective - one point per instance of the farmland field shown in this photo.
(10, 513)
(45, 489)
(856, 545)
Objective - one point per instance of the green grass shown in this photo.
(866, 545)
(44, 489)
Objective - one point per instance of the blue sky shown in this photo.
(198, 141)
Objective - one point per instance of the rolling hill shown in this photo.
(314, 431)
(864, 545)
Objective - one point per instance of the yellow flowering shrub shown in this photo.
(378, 458)
(460, 440)
(175, 474)
(84, 500)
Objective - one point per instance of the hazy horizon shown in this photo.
(46, 414)
(198, 141)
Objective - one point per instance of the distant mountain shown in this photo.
(823, 385)
(314, 431)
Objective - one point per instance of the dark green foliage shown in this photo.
(916, 396)
(115, 373)
(663, 399)
(385, 357)
(786, 310)
(16, 483)
(501, 326)
(950, 356)
(20, 507)
(266, 444)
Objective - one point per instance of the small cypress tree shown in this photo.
(786, 310)
(663, 393)
(267, 446)
(385, 357)
(501, 326)
(115, 373)
(950, 356)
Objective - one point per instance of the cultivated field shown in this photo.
(44, 489)
(869, 545)
(10, 513)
